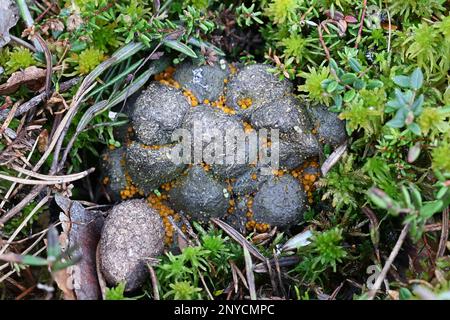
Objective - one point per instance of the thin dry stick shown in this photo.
(389, 262)
(389, 32)
(50, 181)
(33, 235)
(322, 42)
(154, 280)
(62, 126)
(24, 223)
(206, 287)
(13, 185)
(36, 175)
(249, 273)
(33, 102)
(23, 43)
(14, 270)
(35, 243)
(49, 67)
(29, 197)
(444, 234)
(272, 279)
(278, 269)
(9, 118)
(358, 38)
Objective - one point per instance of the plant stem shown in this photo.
(28, 19)
(389, 262)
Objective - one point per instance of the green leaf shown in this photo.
(373, 84)
(405, 294)
(401, 97)
(59, 265)
(34, 261)
(333, 64)
(359, 84)
(417, 105)
(116, 293)
(332, 86)
(414, 128)
(380, 198)
(324, 84)
(348, 78)
(181, 47)
(416, 79)
(338, 101)
(406, 196)
(355, 65)
(402, 81)
(399, 119)
(349, 95)
(430, 208)
(441, 193)
(393, 105)
(416, 195)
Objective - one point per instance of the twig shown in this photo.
(36, 175)
(444, 234)
(50, 180)
(239, 238)
(389, 31)
(277, 268)
(9, 118)
(358, 38)
(22, 43)
(202, 279)
(333, 158)
(33, 102)
(272, 279)
(322, 42)
(23, 224)
(29, 197)
(239, 273)
(249, 273)
(374, 232)
(42, 15)
(390, 260)
(154, 280)
(11, 188)
(336, 291)
(49, 66)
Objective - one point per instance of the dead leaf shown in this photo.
(32, 77)
(9, 15)
(385, 26)
(299, 240)
(394, 294)
(333, 158)
(350, 19)
(64, 281)
(74, 21)
(239, 238)
(43, 141)
(249, 273)
(83, 228)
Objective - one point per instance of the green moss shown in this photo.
(280, 11)
(441, 160)
(313, 84)
(419, 8)
(19, 58)
(88, 60)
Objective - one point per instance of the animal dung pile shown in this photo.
(252, 195)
